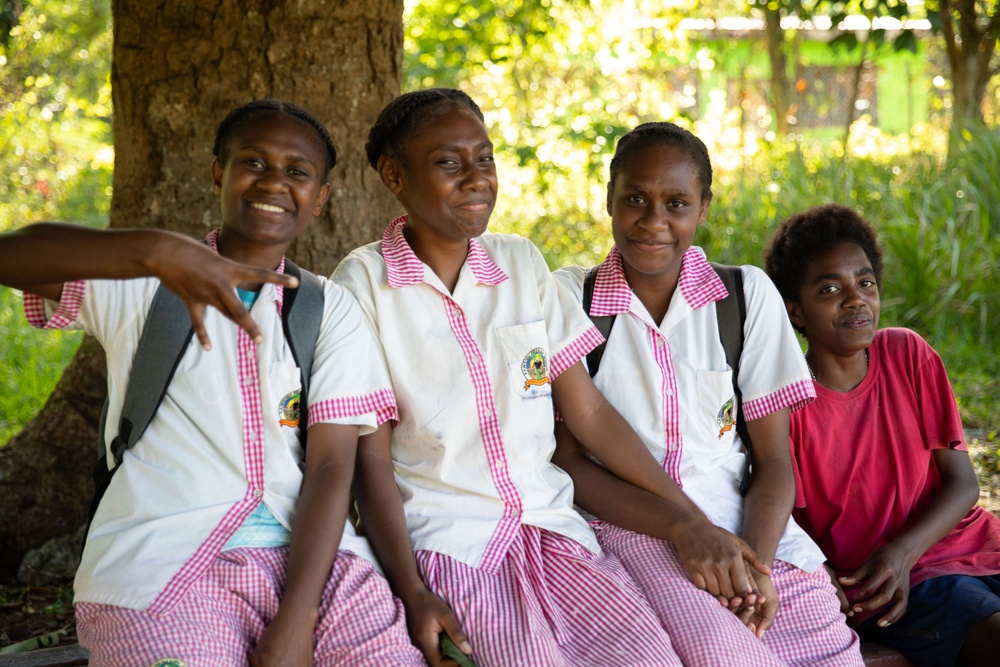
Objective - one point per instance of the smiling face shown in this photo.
(447, 180)
(656, 204)
(271, 185)
(838, 303)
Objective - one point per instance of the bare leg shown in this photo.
(980, 649)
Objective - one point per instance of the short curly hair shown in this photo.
(664, 134)
(240, 116)
(804, 235)
(405, 115)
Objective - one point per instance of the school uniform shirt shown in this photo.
(224, 440)
(472, 373)
(671, 381)
(864, 462)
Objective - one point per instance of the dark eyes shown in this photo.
(258, 164)
(639, 200)
(866, 284)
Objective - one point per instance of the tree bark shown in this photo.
(970, 51)
(178, 67)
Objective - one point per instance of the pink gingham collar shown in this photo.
(404, 268)
(699, 283)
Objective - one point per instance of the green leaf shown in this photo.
(449, 650)
(42, 641)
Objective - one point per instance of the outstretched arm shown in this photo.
(639, 495)
(319, 525)
(40, 258)
(885, 577)
(381, 509)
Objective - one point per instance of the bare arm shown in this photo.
(768, 502)
(381, 509)
(714, 558)
(40, 258)
(885, 576)
(316, 533)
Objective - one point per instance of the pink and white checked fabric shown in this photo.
(809, 629)
(220, 619)
(552, 603)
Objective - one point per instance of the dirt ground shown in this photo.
(45, 606)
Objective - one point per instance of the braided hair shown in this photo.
(240, 116)
(405, 115)
(665, 134)
(804, 235)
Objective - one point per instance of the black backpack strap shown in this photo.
(732, 314)
(164, 339)
(603, 323)
(301, 325)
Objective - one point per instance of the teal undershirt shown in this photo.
(260, 529)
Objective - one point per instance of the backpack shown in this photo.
(164, 340)
(731, 313)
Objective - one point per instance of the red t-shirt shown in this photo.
(864, 465)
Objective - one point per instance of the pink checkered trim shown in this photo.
(808, 630)
(489, 428)
(382, 403)
(202, 558)
(796, 396)
(551, 602)
(575, 351)
(404, 268)
(660, 347)
(483, 268)
(66, 312)
(698, 281)
(212, 240)
(223, 615)
(253, 461)
(612, 295)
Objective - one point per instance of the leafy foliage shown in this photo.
(55, 114)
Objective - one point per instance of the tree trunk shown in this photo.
(178, 67)
(779, 66)
(856, 75)
(970, 51)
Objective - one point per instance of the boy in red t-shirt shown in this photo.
(884, 481)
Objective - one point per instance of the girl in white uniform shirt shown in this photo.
(185, 562)
(664, 368)
(474, 527)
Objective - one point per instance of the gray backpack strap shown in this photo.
(732, 314)
(301, 324)
(165, 337)
(603, 323)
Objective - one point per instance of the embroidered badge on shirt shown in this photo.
(726, 417)
(535, 368)
(288, 410)
(170, 662)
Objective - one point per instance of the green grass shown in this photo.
(33, 361)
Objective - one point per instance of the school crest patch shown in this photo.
(535, 368)
(170, 662)
(289, 409)
(726, 417)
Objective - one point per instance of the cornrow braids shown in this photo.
(665, 134)
(240, 116)
(405, 115)
(804, 235)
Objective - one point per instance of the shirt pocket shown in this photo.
(717, 407)
(525, 350)
(286, 382)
